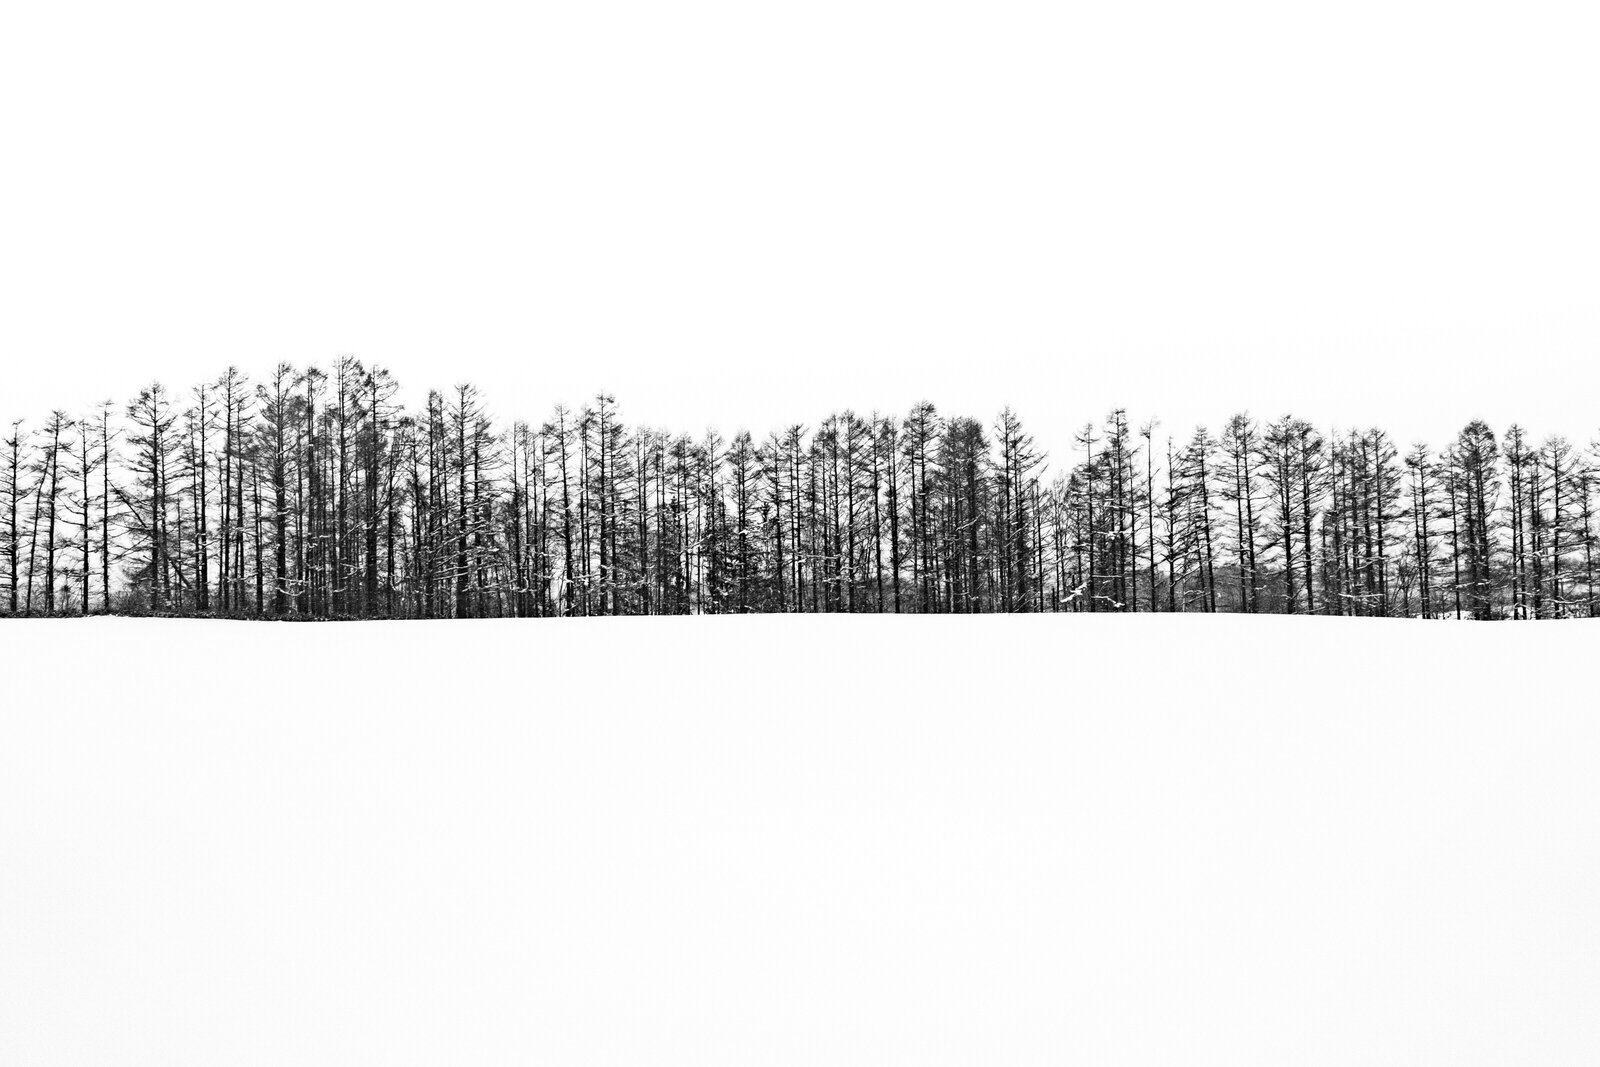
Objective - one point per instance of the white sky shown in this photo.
(749, 215)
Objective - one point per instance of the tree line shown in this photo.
(314, 494)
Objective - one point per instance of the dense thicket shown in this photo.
(315, 494)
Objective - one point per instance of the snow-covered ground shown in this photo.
(1111, 840)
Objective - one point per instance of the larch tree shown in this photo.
(12, 487)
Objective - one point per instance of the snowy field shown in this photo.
(829, 841)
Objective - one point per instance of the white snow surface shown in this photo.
(831, 841)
